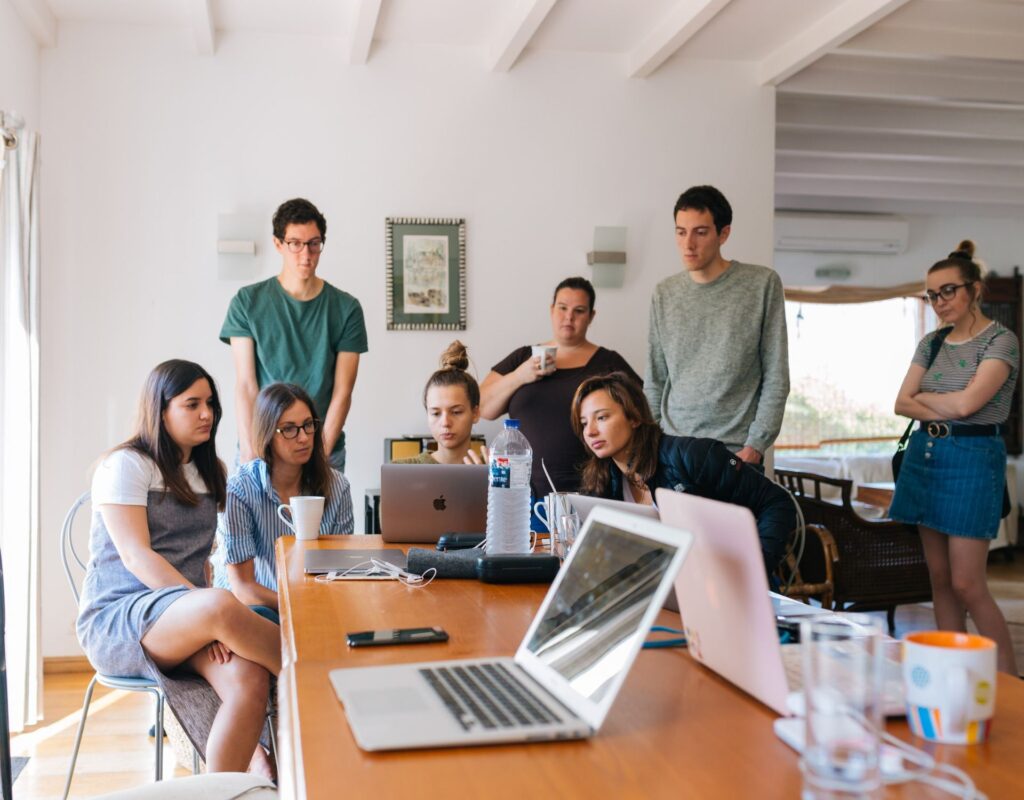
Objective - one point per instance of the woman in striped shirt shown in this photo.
(951, 483)
(292, 462)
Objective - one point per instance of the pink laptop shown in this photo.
(727, 610)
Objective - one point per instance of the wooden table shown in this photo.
(876, 494)
(675, 730)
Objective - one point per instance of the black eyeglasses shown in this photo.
(947, 292)
(314, 245)
(310, 426)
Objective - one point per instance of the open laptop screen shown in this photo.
(588, 630)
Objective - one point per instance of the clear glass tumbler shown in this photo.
(842, 673)
(567, 530)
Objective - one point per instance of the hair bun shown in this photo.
(455, 356)
(964, 250)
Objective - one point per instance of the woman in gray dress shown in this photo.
(145, 611)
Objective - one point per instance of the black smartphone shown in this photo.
(396, 636)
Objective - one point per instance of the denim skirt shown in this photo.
(953, 485)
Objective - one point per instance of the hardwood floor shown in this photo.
(116, 751)
(117, 754)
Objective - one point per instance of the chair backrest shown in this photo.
(68, 553)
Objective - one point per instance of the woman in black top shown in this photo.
(629, 457)
(541, 399)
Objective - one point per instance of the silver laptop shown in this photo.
(728, 612)
(584, 504)
(567, 671)
(353, 563)
(420, 502)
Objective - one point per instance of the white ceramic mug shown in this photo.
(551, 511)
(950, 681)
(306, 512)
(547, 356)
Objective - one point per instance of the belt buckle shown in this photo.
(938, 430)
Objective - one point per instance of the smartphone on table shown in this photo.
(396, 636)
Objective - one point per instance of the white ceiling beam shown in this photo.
(866, 168)
(895, 147)
(990, 84)
(902, 190)
(39, 20)
(814, 41)
(686, 19)
(825, 114)
(364, 23)
(201, 13)
(1006, 45)
(938, 206)
(509, 45)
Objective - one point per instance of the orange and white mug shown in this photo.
(950, 682)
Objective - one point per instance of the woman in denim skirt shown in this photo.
(951, 483)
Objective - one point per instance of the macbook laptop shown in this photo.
(420, 502)
(354, 563)
(728, 612)
(567, 671)
(584, 504)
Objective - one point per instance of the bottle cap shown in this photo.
(512, 423)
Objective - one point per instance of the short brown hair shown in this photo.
(272, 401)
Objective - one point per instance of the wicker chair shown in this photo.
(876, 564)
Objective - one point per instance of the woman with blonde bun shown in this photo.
(452, 400)
(960, 386)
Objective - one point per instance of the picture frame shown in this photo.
(426, 273)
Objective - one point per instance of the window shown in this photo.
(846, 364)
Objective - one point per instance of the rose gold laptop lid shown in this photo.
(723, 597)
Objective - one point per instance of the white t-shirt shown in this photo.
(126, 477)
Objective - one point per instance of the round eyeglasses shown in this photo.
(295, 246)
(310, 426)
(947, 292)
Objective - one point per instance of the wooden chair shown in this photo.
(875, 564)
(807, 574)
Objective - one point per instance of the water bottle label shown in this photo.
(501, 472)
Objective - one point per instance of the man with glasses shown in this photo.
(296, 328)
(717, 354)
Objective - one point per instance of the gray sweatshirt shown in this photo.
(718, 357)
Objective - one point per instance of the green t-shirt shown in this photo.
(297, 341)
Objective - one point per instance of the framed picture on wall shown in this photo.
(426, 274)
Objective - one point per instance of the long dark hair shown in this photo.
(595, 473)
(272, 401)
(165, 382)
(454, 361)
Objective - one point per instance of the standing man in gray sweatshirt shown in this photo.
(717, 354)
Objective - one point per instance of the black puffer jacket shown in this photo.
(706, 468)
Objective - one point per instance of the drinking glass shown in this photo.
(842, 674)
(566, 531)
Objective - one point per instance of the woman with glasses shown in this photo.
(452, 400)
(145, 610)
(951, 482)
(290, 461)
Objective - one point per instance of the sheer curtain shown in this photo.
(19, 420)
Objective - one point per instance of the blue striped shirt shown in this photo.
(249, 527)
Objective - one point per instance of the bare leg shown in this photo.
(969, 560)
(243, 688)
(950, 614)
(202, 616)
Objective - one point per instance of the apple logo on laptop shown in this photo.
(439, 503)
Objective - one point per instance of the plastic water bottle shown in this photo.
(508, 492)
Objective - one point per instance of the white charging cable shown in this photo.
(382, 569)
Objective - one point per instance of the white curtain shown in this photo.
(19, 425)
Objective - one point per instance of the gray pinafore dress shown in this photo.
(117, 609)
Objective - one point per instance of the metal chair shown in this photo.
(67, 554)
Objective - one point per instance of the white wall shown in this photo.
(19, 67)
(147, 143)
(1000, 244)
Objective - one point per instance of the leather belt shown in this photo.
(942, 430)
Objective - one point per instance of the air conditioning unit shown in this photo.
(840, 233)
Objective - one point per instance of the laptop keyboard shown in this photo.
(486, 695)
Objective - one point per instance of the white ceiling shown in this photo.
(912, 106)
